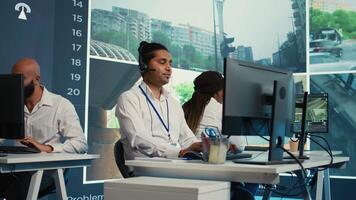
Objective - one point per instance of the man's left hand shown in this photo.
(233, 148)
(30, 142)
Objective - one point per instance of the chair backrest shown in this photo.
(242, 193)
(120, 160)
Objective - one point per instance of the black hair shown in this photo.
(206, 85)
(146, 53)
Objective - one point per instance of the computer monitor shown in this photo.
(311, 117)
(316, 114)
(11, 107)
(258, 100)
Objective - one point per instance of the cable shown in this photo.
(326, 142)
(246, 140)
(308, 180)
(255, 156)
(327, 150)
(263, 137)
(257, 131)
(292, 188)
(304, 174)
(278, 189)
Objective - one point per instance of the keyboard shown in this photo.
(18, 150)
(255, 148)
(234, 156)
(192, 155)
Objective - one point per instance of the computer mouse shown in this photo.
(193, 155)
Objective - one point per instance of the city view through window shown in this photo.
(200, 33)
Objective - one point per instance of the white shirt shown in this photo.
(212, 117)
(142, 133)
(54, 121)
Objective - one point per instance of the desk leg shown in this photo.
(306, 192)
(60, 185)
(327, 195)
(35, 184)
(319, 185)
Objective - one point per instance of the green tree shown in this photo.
(209, 62)
(184, 91)
(176, 52)
(189, 52)
(112, 120)
(339, 19)
(161, 38)
(186, 57)
(193, 58)
(318, 20)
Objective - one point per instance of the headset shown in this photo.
(141, 65)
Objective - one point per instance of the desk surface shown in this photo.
(44, 157)
(228, 171)
(45, 161)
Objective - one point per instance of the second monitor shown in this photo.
(317, 114)
(11, 107)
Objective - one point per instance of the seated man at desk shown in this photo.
(151, 121)
(51, 125)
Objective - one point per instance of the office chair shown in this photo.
(120, 160)
(239, 192)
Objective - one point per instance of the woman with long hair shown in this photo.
(205, 107)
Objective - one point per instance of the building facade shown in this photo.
(243, 53)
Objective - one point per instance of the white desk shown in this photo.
(267, 174)
(157, 188)
(44, 161)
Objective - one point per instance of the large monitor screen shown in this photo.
(249, 98)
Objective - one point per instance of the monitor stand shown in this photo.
(277, 132)
(303, 134)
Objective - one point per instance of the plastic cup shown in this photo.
(214, 150)
(293, 146)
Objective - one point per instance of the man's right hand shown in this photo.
(196, 146)
(30, 142)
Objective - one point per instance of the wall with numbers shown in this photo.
(55, 33)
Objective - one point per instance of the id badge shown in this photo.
(174, 144)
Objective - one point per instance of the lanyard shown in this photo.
(157, 113)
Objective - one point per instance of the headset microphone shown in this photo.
(141, 64)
